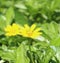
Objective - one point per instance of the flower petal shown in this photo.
(38, 29)
(26, 27)
(33, 27)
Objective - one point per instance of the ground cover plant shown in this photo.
(30, 31)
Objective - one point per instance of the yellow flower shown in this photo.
(26, 31)
(31, 32)
(12, 30)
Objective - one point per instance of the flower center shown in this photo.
(29, 33)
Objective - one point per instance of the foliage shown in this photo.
(20, 49)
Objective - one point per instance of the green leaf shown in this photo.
(7, 54)
(20, 18)
(2, 24)
(21, 55)
(58, 53)
(55, 42)
(9, 15)
(2, 21)
(51, 29)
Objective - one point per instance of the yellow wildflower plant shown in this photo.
(12, 30)
(31, 32)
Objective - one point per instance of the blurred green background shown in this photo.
(30, 10)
